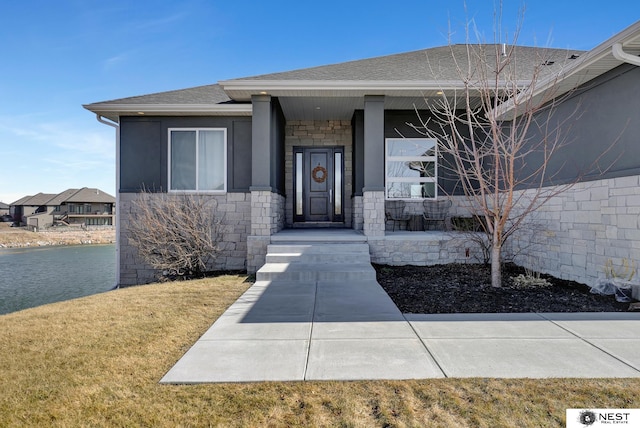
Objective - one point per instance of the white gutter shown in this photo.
(621, 55)
(117, 128)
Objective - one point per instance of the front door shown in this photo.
(318, 184)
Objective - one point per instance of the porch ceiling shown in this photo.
(342, 108)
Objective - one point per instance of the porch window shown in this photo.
(198, 159)
(411, 168)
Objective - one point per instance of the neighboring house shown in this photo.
(16, 209)
(4, 209)
(34, 211)
(73, 207)
(320, 147)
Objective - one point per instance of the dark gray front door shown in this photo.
(318, 184)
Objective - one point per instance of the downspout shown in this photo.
(621, 55)
(116, 126)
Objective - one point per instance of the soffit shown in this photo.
(342, 108)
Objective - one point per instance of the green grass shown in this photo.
(97, 361)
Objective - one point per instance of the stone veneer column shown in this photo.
(373, 213)
(267, 218)
(266, 205)
(357, 217)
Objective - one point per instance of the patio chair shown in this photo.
(395, 212)
(436, 213)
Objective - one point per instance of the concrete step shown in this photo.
(316, 272)
(318, 253)
(318, 236)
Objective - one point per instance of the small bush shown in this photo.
(176, 234)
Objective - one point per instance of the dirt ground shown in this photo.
(17, 237)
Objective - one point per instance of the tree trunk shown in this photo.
(496, 272)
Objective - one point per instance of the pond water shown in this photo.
(35, 276)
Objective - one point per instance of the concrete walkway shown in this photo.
(321, 330)
(316, 312)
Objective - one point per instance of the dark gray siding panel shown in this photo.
(600, 124)
(240, 157)
(144, 145)
(357, 126)
(141, 160)
(277, 144)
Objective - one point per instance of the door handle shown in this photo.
(330, 196)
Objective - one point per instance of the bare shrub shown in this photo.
(176, 234)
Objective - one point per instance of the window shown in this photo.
(198, 160)
(411, 168)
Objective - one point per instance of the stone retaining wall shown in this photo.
(425, 248)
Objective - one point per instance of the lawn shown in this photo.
(96, 361)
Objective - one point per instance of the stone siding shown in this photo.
(235, 211)
(578, 231)
(357, 221)
(267, 218)
(373, 213)
(318, 133)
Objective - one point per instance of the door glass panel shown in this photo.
(337, 183)
(298, 183)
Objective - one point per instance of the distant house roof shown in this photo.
(38, 199)
(61, 197)
(21, 200)
(84, 195)
(3, 206)
(90, 195)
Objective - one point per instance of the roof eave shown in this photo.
(576, 74)
(113, 111)
(242, 90)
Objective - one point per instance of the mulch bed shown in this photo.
(466, 288)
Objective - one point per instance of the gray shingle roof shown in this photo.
(209, 94)
(439, 63)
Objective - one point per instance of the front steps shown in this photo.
(317, 261)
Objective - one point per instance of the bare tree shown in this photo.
(176, 234)
(496, 152)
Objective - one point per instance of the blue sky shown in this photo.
(57, 55)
